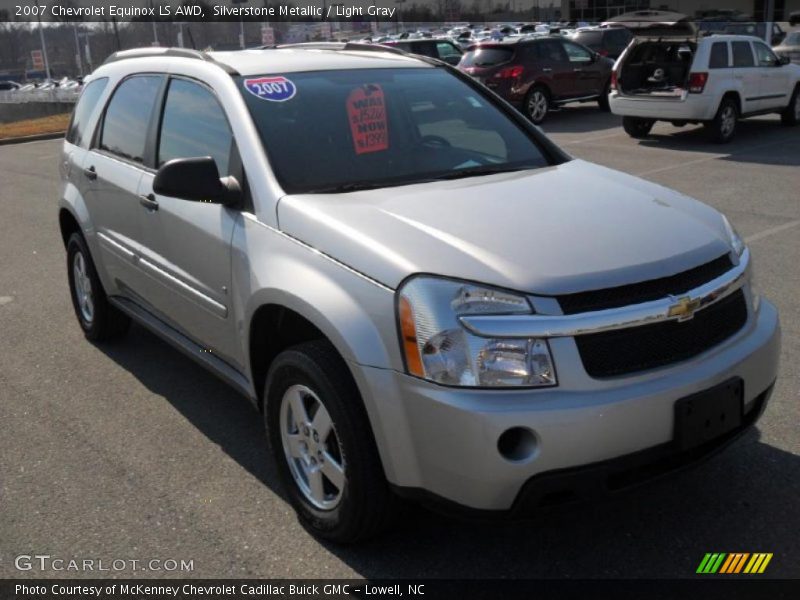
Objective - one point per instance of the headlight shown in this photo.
(737, 243)
(438, 348)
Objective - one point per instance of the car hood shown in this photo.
(562, 229)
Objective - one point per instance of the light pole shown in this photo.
(78, 60)
(41, 38)
(241, 23)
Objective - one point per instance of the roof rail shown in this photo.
(338, 46)
(168, 52)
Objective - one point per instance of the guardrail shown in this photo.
(68, 96)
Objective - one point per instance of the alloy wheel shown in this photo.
(537, 105)
(727, 121)
(83, 287)
(312, 447)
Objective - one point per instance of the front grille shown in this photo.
(644, 291)
(624, 351)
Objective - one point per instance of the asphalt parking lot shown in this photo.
(131, 451)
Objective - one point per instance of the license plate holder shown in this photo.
(709, 414)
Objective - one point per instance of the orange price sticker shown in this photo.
(366, 111)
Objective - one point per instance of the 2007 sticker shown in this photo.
(274, 89)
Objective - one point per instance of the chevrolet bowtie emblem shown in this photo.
(684, 308)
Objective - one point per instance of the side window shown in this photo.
(719, 56)
(194, 125)
(552, 50)
(766, 57)
(128, 116)
(577, 54)
(742, 54)
(446, 49)
(84, 109)
(617, 39)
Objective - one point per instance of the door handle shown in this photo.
(578, 70)
(547, 70)
(90, 173)
(148, 201)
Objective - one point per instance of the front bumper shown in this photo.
(444, 441)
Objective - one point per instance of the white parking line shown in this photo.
(592, 139)
(771, 231)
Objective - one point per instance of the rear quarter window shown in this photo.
(486, 57)
(77, 134)
(719, 56)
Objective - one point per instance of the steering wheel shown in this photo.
(434, 141)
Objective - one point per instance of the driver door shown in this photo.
(186, 245)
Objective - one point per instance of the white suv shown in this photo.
(714, 81)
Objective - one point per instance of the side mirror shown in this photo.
(452, 59)
(196, 179)
(783, 60)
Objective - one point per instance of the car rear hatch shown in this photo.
(659, 68)
(484, 61)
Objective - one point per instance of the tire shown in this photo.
(99, 320)
(637, 127)
(723, 127)
(335, 480)
(537, 104)
(602, 99)
(791, 114)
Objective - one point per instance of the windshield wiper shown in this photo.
(356, 186)
(481, 170)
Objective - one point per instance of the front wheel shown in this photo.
(323, 445)
(537, 105)
(723, 127)
(636, 127)
(791, 114)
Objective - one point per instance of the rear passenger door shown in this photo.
(112, 170)
(747, 74)
(556, 68)
(186, 245)
(775, 84)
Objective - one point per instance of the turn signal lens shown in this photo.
(408, 331)
(614, 80)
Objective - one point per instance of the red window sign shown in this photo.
(367, 113)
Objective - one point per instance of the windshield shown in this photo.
(338, 131)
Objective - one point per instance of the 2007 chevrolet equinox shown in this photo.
(424, 296)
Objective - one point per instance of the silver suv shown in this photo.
(424, 296)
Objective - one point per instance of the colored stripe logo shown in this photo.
(734, 563)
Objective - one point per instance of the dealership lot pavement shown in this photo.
(131, 451)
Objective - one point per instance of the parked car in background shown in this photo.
(790, 47)
(606, 41)
(441, 48)
(715, 81)
(538, 74)
(757, 30)
(794, 18)
(8, 86)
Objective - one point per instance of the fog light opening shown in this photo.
(517, 444)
